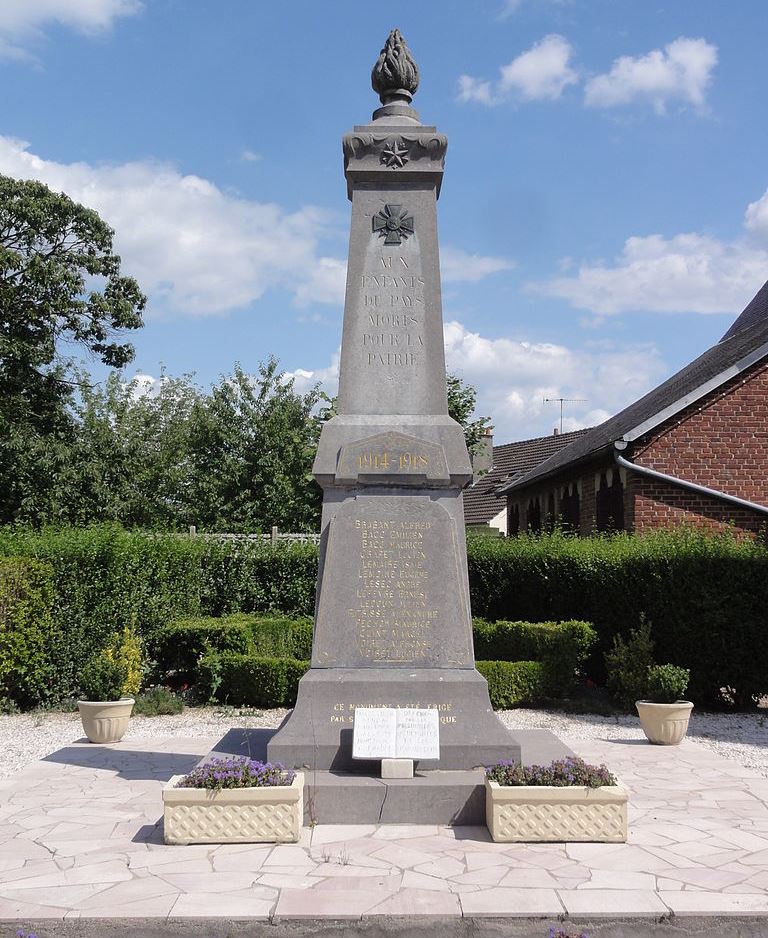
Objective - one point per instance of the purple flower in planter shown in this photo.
(237, 772)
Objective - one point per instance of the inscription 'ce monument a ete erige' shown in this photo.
(392, 620)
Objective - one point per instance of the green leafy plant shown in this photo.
(125, 648)
(158, 701)
(102, 679)
(561, 773)
(29, 634)
(667, 683)
(627, 664)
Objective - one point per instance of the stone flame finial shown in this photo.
(395, 76)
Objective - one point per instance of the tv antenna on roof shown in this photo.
(563, 400)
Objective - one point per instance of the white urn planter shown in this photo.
(664, 723)
(105, 721)
(572, 814)
(269, 814)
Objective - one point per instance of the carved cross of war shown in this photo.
(393, 223)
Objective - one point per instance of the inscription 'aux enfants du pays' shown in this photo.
(393, 303)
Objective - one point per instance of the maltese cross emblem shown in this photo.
(393, 223)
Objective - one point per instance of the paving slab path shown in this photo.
(81, 838)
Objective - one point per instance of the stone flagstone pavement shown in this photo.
(80, 837)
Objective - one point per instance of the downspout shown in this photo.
(620, 445)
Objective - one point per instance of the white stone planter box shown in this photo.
(272, 814)
(522, 813)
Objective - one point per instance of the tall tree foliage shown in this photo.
(462, 400)
(236, 459)
(60, 285)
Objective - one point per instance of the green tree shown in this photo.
(252, 443)
(462, 400)
(60, 285)
(130, 460)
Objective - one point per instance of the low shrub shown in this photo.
(511, 683)
(562, 647)
(282, 636)
(561, 773)
(102, 679)
(30, 638)
(247, 679)
(125, 648)
(627, 664)
(158, 702)
(182, 643)
(273, 682)
(667, 683)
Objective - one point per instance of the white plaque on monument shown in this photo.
(388, 733)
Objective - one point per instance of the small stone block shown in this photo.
(397, 768)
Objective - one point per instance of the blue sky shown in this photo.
(603, 217)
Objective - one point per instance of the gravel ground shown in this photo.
(27, 737)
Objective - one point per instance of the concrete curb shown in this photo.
(385, 926)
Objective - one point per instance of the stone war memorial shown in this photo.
(393, 624)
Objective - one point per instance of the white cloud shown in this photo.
(512, 377)
(681, 72)
(199, 250)
(542, 72)
(143, 385)
(328, 378)
(22, 21)
(325, 283)
(250, 156)
(458, 266)
(685, 273)
(194, 248)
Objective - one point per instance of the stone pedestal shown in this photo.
(392, 622)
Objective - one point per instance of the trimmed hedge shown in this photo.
(30, 643)
(106, 578)
(513, 682)
(704, 595)
(273, 682)
(561, 647)
(250, 679)
(181, 644)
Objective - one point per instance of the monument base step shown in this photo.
(317, 734)
(431, 797)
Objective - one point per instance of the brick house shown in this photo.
(482, 506)
(694, 450)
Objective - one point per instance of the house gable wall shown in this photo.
(720, 442)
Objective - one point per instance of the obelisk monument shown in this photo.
(392, 619)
